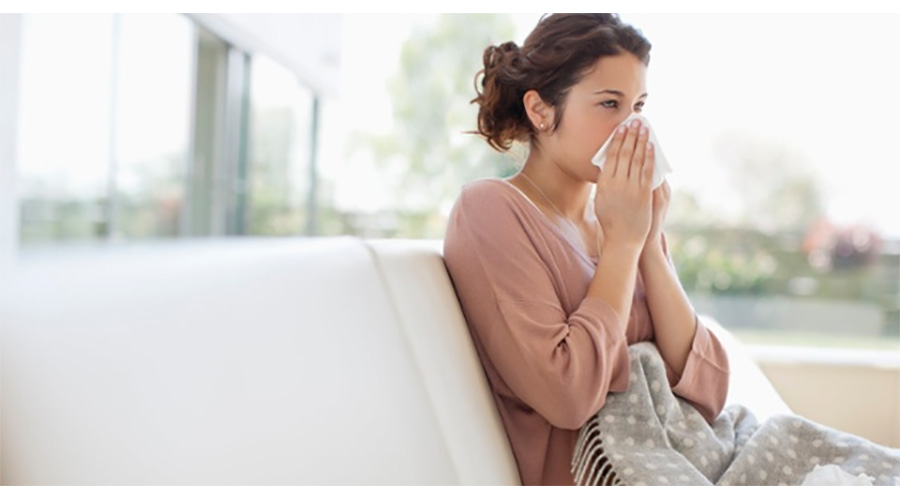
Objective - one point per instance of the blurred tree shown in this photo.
(276, 191)
(777, 190)
(687, 212)
(426, 157)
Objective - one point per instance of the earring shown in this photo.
(541, 126)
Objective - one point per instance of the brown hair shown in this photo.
(556, 55)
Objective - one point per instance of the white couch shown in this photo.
(259, 361)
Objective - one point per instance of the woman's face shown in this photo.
(612, 89)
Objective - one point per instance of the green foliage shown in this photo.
(149, 206)
(274, 212)
(723, 261)
(739, 261)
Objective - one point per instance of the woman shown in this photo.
(556, 284)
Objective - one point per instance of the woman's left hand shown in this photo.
(661, 197)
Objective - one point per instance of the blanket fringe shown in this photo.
(590, 457)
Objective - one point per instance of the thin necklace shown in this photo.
(577, 231)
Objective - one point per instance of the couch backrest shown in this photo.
(246, 361)
(431, 319)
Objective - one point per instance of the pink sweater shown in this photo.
(551, 354)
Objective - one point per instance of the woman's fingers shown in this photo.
(612, 154)
(627, 151)
(623, 202)
(640, 150)
(649, 164)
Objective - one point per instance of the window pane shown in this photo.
(153, 108)
(64, 127)
(281, 117)
(105, 108)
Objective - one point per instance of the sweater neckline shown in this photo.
(548, 222)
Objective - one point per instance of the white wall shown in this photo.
(854, 391)
(307, 44)
(10, 36)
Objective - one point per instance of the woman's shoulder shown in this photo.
(485, 205)
(486, 193)
(490, 209)
(487, 217)
(487, 184)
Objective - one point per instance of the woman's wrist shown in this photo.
(652, 251)
(620, 247)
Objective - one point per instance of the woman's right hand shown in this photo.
(624, 201)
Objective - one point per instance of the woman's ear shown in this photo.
(539, 113)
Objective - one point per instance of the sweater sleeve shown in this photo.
(561, 366)
(704, 380)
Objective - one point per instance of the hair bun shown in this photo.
(498, 55)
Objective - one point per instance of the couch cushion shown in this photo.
(434, 326)
(218, 362)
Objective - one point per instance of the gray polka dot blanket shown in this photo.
(649, 436)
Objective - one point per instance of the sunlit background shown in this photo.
(781, 131)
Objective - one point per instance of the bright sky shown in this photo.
(825, 83)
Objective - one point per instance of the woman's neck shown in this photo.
(569, 194)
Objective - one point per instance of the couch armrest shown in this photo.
(748, 385)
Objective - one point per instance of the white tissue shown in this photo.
(833, 475)
(661, 168)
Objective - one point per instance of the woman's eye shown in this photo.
(615, 104)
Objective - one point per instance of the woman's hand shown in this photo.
(623, 202)
(661, 197)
